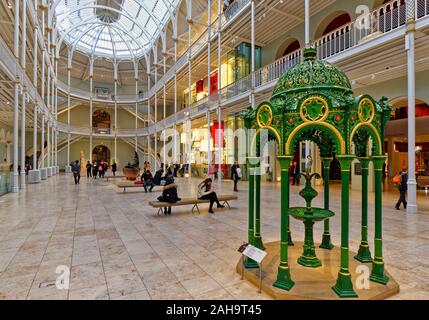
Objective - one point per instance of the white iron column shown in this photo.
(219, 111)
(149, 120)
(307, 22)
(209, 48)
(136, 78)
(175, 151)
(56, 116)
(189, 95)
(410, 36)
(24, 91)
(115, 75)
(42, 147)
(156, 118)
(15, 186)
(69, 66)
(307, 44)
(164, 115)
(48, 103)
(35, 63)
(91, 70)
(23, 112)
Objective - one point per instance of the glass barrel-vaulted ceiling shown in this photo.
(121, 29)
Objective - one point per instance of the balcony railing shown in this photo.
(386, 18)
(389, 16)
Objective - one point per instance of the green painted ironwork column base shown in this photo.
(258, 242)
(250, 264)
(308, 257)
(364, 254)
(377, 273)
(344, 287)
(326, 241)
(284, 280)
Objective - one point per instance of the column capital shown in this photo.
(364, 161)
(253, 162)
(284, 162)
(345, 162)
(378, 161)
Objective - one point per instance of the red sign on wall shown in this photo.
(199, 86)
(215, 133)
(213, 82)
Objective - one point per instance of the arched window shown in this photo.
(292, 47)
(101, 121)
(337, 23)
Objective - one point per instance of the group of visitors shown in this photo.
(99, 169)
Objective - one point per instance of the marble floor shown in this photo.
(116, 247)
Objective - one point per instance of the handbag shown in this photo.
(396, 179)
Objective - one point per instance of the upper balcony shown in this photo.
(378, 24)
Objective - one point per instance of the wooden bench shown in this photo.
(125, 185)
(191, 201)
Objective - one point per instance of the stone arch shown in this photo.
(333, 21)
(400, 107)
(101, 153)
(287, 47)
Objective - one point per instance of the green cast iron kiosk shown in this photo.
(314, 101)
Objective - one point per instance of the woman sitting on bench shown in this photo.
(169, 194)
(206, 192)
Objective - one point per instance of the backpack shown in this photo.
(100, 168)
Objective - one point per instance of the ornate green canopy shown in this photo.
(314, 101)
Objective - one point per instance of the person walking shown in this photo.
(114, 168)
(88, 170)
(105, 167)
(402, 187)
(94, 169)
(206, 192)
(295, 173)
(76, 172)
(100, 170)
(235, 174)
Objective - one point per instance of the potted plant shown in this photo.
(131, 171)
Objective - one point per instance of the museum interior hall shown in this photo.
(214, 150)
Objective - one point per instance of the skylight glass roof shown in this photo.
(122, 29)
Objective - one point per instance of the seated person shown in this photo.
(206, 192)
(169, 194)
(157, 178)
(147, 181)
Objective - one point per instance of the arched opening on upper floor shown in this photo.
(332, 22)
(101, 121)
(287, 47)
(400, 108)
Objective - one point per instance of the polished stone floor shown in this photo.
(116, 247)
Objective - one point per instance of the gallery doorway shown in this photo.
(101, 154)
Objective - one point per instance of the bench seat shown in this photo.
(191, 201)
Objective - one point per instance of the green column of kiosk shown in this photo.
(284, 280)
(326, 238)
(364, 254)
(344, 286)
(377, 273)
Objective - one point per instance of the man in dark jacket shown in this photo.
(402, 187)
(295, 173)
(76, 172)
(157, 177)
